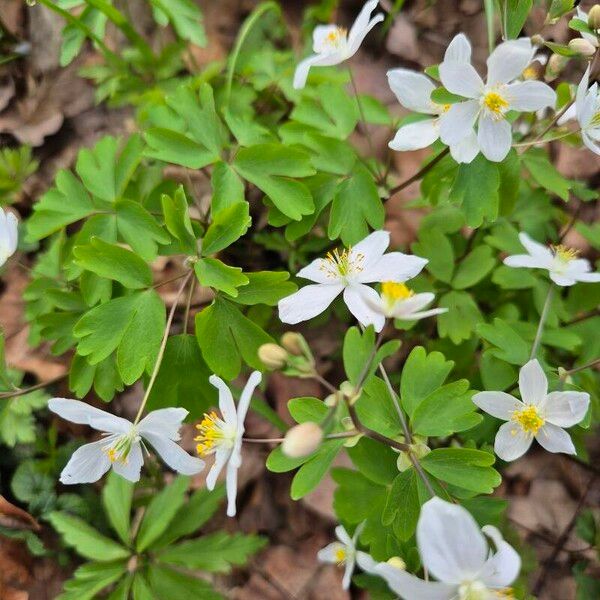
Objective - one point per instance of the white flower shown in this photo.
(333, 45)
(587, 111)
(223, 436)
(454, 550)
(348, 271)
(539, 414)
(561, 262)
(344, 553)
(397, 301)
(488, 103)
(413, 91)
(121, 445)
(8, 235)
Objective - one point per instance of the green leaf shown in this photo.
(265, 287)
(211, 272)
(116, 498)
(228, 225)
(90, 579)
(463, 315)
(140, 590)
(185, 16)
(272, 167)
(545, 174)
(228, 188)
(403, 505)
(509, 345)
(514, 14)
(558, 8)
(160, 512)
(307, 409)
(17, 423)
(437, 249)
(168, 583)
(356, 206)
(509, 278)
(114, 262)
(87, 541)
(374, 460)
(475, 266)
(177, 220)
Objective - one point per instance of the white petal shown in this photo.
(404, 308)
(525, 260)
(344, 537)
(412, 89)
(365, 562)
(459, 49)
(566, 409)
(329, 553)
(536, 249)
(494, 137)
(165, 421)
(372, 247)
(582, 92)
(244, 403)
(221, 457)
(130, 470)
(12, 225)
(533, 383)
(509, 60)
(561, 279)
(316, 60)
(568, 115)
(231, 486)
(416, 316)
(589, 277)
(415, 136)
(503, 566)
(84, 414)
(86, 465)
(511, 442)
(308, 302)
(461, 78)
(498, 404)
(348, 571)
(530, 96)
(409, 587)
(226, 403)
(393, 266)
(320, 36)
(555, 439)
(174, 455)
(465, 150)
(451, 544)
(362, 25)
(359, 299)
(318, 271)
(590, 144)
(457, 123)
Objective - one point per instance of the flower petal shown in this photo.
(536, 249)
(415, 136)
(221, 457)
(461, 78)
(498, 404)
(457, 123)
(409, 587)
(393, 266)
(244, 403)
(344, 536)
(87, 464)
(348, 571)
(503, 566)
(404, 308)
(316, 60)
(308, 302)
(226, 403)
(450, 542)
(365, 562)
(320, 35)
(529, 96)
(165, 421)
(459, 49)
(588, 277)
(231, 487)
(362, 25)
(132, 467)
(555, 439)
(12, 225)
(174, 455)
(561, 279)
(566, 409)
(329, 553)
(84, 414)
(465, 150)
(533, 383)
(412, 89)
(524, 260)
(318, 271)
(494, 137)
(359, 299)
(509, 60)
(511, 442)
(372, 247)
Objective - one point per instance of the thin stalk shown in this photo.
(161, 351)
(318, 377)
(186, 316)
(543, 317)
(396, 401)
(33, 388)
(544, 141)
(582, 368)
(489, 22)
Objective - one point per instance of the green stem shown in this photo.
(582, 368)
(543, 317)
(489, 21)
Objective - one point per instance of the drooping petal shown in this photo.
(84, 414)
(466, 150)
(536, 249)
(409, 587)
(498, 404)
(528, 96)
(588, 277)
(568, 115)
(566, 409)
(461, 78)
(457, 123)
(423, 314)
(245, 398)
(308, 302)
(330, 553)
(221, 457)
(562, 279)
(319, 272)
(524, 260)
(494, 137)
(365, 562)
(316, 60)
(533, 383)
(362, 25)
(412, 304)
(451, 544)
(415, 136)
(555, 439)
(86, 465)
(412, 89)
(231, 487)
(393, 266)
(503, 566)
(173, 455)
(509, 60)
(165, 421)
(580, 97)
(511, 442)
(344, 537)
(459, 49)
(348, 570)
(372, 247)
(226, 403)
(131, 468)
(359, 299)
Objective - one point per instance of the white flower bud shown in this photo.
(537, 39)
(302, 440)
(273, 356)
(292, 342)
(397, 563)
(582, 47)
(594, 17)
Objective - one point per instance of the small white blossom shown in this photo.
(562, 264)
(333, 45)
(539, 414)
(457, 553)
(121, 445)
(348, 272)
(488, 103)
(587, 112)
(222, 436)
(344, 553)
(8, 235)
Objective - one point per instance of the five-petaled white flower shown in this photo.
(454, 550)
(562, 264)
(413, 91)
(539, 414)
(348, 271)
(344, 553)
(488, 103)
(223, 436)
(397, 301)
(121, 444)
(8, 235)
(333, 45)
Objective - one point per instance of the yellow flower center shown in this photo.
(595, 121)
(118, 451)
(342, 264)
(396, 291)
(529, 419)
(335, 36)
(564, 253)
(495, 103)
(340, 555)
(529, 73)
(211, 433)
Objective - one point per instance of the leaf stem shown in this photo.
(543, 317)
(33, 388)
(582, 368)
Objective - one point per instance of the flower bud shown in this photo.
(397, 563)
(582, 47)
(273, 356)
(594, 17)
(537, 39)
(302, 440)
(292, 342)
(556, 64)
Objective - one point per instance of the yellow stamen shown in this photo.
(529, 73)
(529, 419)
(335, 35)
(396, 291)
(495, 103)
(340, 555)
(564, 253)
(595, 122)
(210, 433)
(341, 264)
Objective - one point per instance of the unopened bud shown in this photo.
(537, 39)
(397, 563)
(302, 440)
(556, 64)
(582, 47)
(292, 342)
(273, 356)
(594, 17)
